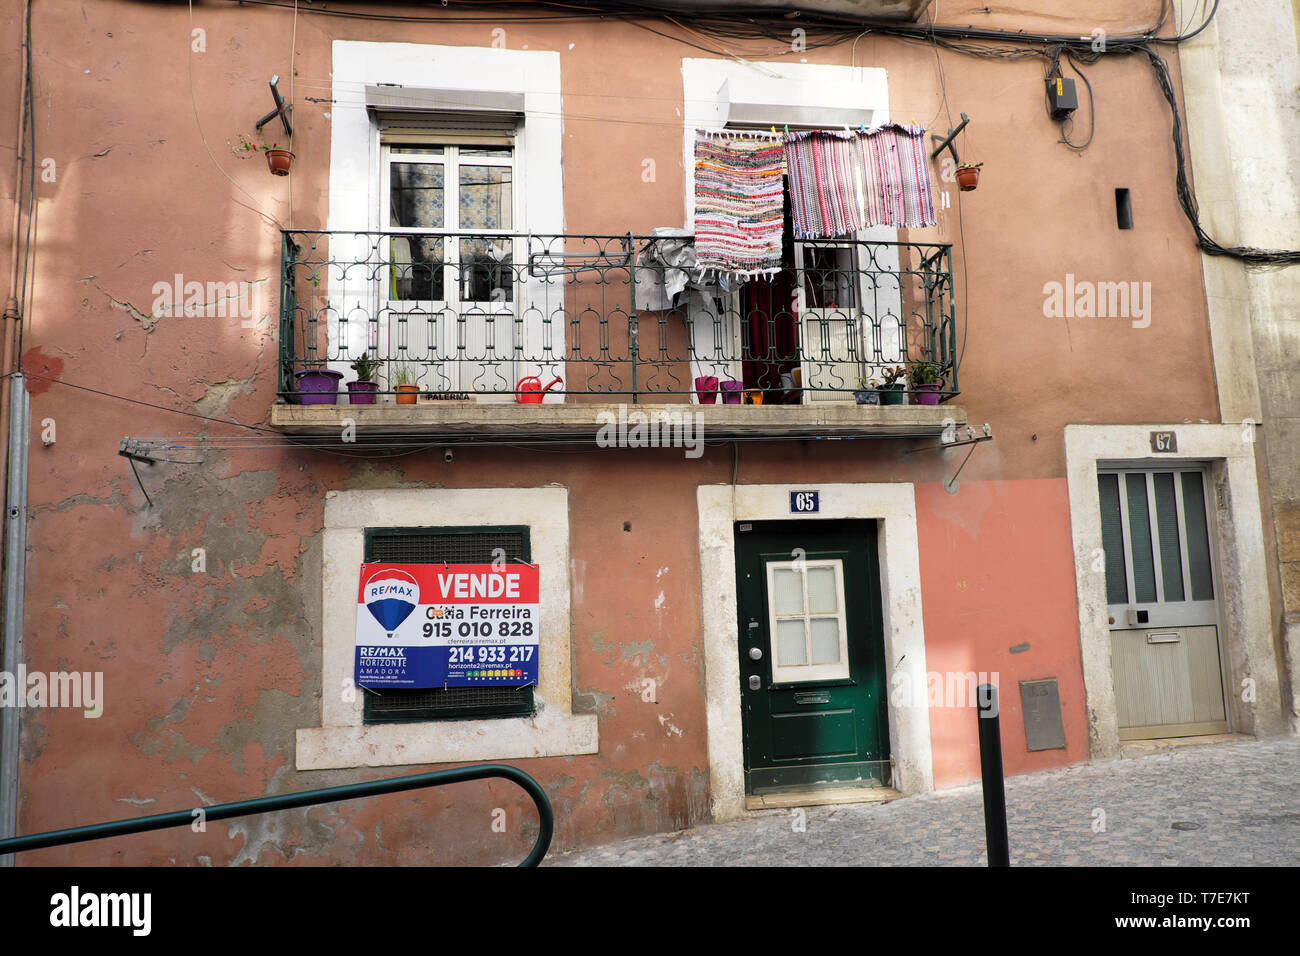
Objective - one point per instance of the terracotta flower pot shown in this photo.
(406, 394)
(968, 177)
(279, 160)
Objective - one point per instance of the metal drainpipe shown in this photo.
(14, 580)
(13, 308)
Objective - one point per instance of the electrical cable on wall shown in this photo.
(1054, 74)
(824, 30)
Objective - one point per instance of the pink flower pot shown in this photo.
(928, 394)
(731, 391)
(362, 393)
(706, 388)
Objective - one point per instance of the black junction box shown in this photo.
(1061, 96)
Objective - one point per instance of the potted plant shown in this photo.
(926, 381)
(279, 160)
(968, 176)
(706, 389)
(868, 392)
(404, 383)
(318, 386)
(891, 389)
(364, 389)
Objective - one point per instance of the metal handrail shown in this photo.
(306, 798)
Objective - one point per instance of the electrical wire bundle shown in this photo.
(714, 29)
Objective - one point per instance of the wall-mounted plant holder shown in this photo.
(281, 110)
(945, 142)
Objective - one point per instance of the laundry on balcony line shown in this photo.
(739, 202)
(843, 181)
(666, 267)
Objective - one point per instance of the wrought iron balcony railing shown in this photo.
(471, 315)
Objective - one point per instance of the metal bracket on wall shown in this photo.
(971, 439)
(281, 110)
(945, 142)
(134, 450)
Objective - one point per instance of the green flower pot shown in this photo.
(891, 394)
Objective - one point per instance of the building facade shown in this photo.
(777, 601)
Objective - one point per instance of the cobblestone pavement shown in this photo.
(1240, 802)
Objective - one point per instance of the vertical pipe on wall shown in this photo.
(14, 579)
(13, 308)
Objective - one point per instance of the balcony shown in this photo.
(479, 322)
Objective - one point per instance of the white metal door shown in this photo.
(1161, 604)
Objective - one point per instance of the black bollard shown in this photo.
(995, 797)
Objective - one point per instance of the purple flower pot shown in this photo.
(318, 386)
(731, 391)
(928, 394)
(362, 393)
(706, 388)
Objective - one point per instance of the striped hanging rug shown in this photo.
(738, 202)
(843, 181)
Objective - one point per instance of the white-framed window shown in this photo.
(344, 737)
(433, 192)
(449, 206)
(450, 96)
(806, 622)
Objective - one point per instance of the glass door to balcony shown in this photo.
(448, 284)
(850, 309)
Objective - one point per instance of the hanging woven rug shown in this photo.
(738, 202)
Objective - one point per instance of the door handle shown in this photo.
(755, 682)
(755, 653)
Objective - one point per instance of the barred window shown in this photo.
(474, 545)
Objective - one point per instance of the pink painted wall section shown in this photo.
(997, 572)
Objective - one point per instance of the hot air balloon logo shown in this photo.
(391, 596)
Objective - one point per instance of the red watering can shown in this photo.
(529, 391)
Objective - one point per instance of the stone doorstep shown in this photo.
(1144, 748)
(821, 798)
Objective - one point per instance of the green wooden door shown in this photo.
(812, 669)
